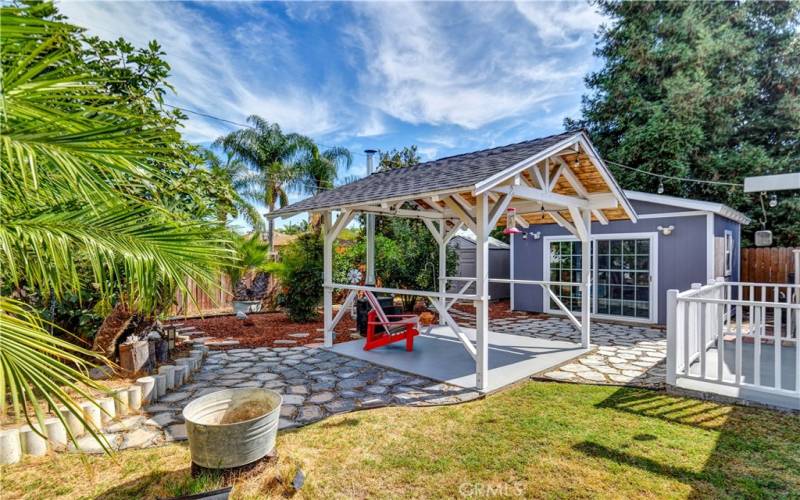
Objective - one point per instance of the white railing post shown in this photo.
(672, 336)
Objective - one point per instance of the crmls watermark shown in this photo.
(483, 490)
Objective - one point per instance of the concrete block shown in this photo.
(10, 446)
(108, 410)
(32, 443)
(181, 375)
(134, 398)
(149, 391)
(121, 402)
(169, 371)
(92, 414)
(73, 424)
(161, 384)
(56, 432)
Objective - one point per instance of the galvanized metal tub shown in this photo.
(216, 444)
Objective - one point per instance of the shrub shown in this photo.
(301, 275)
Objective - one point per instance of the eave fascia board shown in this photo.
(355, 205)
(605, 173)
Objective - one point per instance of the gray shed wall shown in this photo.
(499, 267)
(681, 255)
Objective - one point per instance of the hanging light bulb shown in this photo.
(773, 200)
(660, 187)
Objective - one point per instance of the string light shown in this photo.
(660, 186)
(773, 200)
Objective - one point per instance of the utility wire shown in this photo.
(238, 124)
(664, 176)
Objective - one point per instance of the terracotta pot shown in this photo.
(426, 318)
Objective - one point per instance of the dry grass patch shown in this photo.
(536, 440)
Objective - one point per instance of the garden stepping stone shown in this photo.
(321, 397)
(176, 432)
(174, 397)
(161, 419)
(139, 438)
(298, 335)
(285, 342)
(340, 406)
(293, 399)
(309, 413)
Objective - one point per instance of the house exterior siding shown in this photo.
(681, 256)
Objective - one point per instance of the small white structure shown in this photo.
(559, 179)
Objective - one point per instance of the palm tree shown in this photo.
(234, 174)
(319, 171)
(75, 161)
(271, 156)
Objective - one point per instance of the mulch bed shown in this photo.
(263, 329)
(500, 309)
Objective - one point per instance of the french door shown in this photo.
(623, 275)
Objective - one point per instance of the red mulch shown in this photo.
(263, 329)
(500, 309)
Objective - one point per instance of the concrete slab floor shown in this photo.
(439, 355)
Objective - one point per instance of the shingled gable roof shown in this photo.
(445, 174)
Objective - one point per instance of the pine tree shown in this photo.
(705, 90)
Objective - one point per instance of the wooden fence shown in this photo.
(217, 300)
(766, 265)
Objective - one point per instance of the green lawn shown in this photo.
(537, 440)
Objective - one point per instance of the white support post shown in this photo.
(672, 336)
(327, 277)
(482, 291)
(442, 268)
(586, 272)
(370, 230)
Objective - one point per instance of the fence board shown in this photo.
(766, 265)
(217, 299)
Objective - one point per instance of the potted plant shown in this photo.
(249, 277)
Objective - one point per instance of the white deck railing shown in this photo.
(737, 335)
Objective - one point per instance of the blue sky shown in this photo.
(448, 77)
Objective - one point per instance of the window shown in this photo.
(728, 252)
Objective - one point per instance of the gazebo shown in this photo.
(559, 179)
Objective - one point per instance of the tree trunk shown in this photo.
(271, 228)
(114, 325)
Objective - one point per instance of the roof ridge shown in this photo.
(513, 144)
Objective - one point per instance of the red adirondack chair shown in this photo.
(396, 327)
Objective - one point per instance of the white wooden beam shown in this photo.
(452, 232)
(327, 279)
(482, 291)
(556, 176)
(437, 234)
(561, 221)
(586, 274)
(465, 217)
(499, 208)
(601, 217)
(343, 220)
(577, 221)
(573, 180)
(552, 198)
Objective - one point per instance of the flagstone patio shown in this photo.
(625, 354)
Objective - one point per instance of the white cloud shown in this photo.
(561, 22)
(467, 65)
(208, 73)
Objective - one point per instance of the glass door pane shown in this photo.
(623, 277)
(565, 265)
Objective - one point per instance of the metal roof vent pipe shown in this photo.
(370, 154)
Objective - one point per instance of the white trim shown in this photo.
(709, 246)
(778, 182)
(667, 215)
(654, 241)
(674, 201)
(728, 254)
(511, 270)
